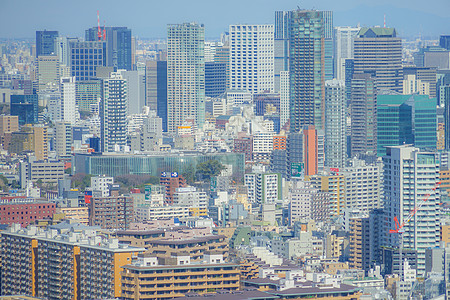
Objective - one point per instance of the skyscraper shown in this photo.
(113, 112)
(45, 42)
(118, 46)
(251, 58)
(378, 51)
(405, 119)
(85, 57)
(281, 46)
(306, 69)
(48, 72)
(185, 75)
(156, 86)
(409, 176)
(328, 35)
(335, 126)
(63, 141)
(344, 38)
(69, 108)
(363, 115)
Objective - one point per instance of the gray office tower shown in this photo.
(329, 44)
(45, 42)
(85, 57)
(118, 46)
(156, 89)
(281, 46)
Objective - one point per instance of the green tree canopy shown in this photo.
(208, 169)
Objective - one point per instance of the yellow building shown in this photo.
(445, 233)
(30, 138)
(80, 214)
(153, 278)
(335, 186)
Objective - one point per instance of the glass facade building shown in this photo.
(45, 42)
(122, 164)
(406, 119)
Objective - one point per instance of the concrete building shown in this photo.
(402, 195)
(263, 188)
(24, 211)
(344, 37)
(69, 108)
(112, 212)
(281, 48)
(251, 58)
(47, 171)
(363, 113)
(90, 263)
(113, 113)
(85, 57)
(145, 213)
(63, 139)
(185, 75)
(307, 203)
(102, 184)
(135, 90)
(146, 273)
(48, 72)
(336, 124)
(190, 197)
(363, 186)
(334, 184)
(88, 93)
(360, 243)
(378, 51)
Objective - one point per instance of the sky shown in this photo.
(149, 18)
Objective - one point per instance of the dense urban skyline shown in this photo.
(149, 18)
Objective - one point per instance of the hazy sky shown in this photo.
(148, 18)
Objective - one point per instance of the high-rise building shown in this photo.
(360, 243)
(306, 69)
(113, 112)
(85, 57)
(263, 188)
(215, 79)
(69, 108)
(363, 115)
(281, 47)
(328, 35)
(45, 42)
(135, 90)
(118, 46)
(251, 58)
(63, 140)
(88, 93)
(335, 126)
(410, 176)
(62, 49)
(284, 98)
(156, 88)
(185, 75)
(334, 184)
(344, 38)
(378, 51)
(405, 119)
(25, 107)
(48, 72)
(426, 75)
(444, 41)
(362, 186)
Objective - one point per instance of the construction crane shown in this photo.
(400, 230)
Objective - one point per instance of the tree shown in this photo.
(189, 174)
(208, 169)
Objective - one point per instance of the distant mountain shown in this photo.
(409, 23)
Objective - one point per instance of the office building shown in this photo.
(156, 89)
(135, 90)
(113, 113)
(215, 79)
(62, 49)
(378, 51)
(304, 200)
(363, 115)
(8, 125)
(45, 42)
(335, 127)
(46, 171)
(118, 46)
(48, 72)
(145, 275)
(25, 107)
(69, 108)
(88, 93)
(24, 211)
(185, 75)
(196, 201)
(251, 58)
(344, 38)
(405, 119)
(63, 139)
(32, 139)
(281, 47)
(424, 76)
(306, 69)
(284, 98)
(85, 57)
(360, 243)
(410, 176)
(328, 34)
(444, 41)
